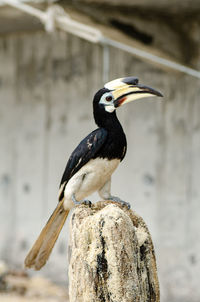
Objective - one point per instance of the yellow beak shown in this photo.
(126, 90)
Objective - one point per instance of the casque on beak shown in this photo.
(126, 90)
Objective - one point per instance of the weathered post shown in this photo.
(111, 256)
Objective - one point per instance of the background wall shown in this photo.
(47, 83)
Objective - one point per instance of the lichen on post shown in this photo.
(111, 256)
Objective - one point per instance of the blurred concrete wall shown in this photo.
(46, 88)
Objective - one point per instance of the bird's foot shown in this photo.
(85, 201)
(122, 202)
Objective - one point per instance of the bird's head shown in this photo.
(119, 92)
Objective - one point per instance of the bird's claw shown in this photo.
(125, 204)
(122, 202)
(85, 201)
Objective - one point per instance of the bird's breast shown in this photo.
(91, 177)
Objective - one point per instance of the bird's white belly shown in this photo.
(90, 178)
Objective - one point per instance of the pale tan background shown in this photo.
(47, 82)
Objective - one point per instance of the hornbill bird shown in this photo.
(92, 163)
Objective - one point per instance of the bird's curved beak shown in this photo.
(126, 90)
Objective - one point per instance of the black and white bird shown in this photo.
(92, 163)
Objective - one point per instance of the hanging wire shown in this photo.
(153, 58)
(59, 19)
(106, 63)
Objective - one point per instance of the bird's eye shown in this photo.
(109, 98)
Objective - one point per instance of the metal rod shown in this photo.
(106, 61)
(150, 57)
(27, 9)
(95, 36)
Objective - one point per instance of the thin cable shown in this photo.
(150, 57)
(61, 21)
(95, 36)
(27, 9)
(106, 60)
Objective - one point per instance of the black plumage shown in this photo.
(92, 163)
(85, 151)
(107, 141)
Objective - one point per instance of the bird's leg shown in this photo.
(117, 199)
(104, 192)
(85, 201)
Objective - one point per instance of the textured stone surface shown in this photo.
(111, 256)
(47, 83)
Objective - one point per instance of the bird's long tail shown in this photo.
(39, 254)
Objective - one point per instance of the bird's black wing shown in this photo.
(85, 151)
